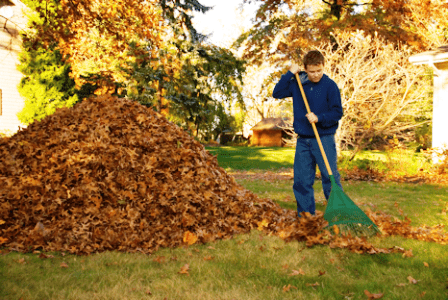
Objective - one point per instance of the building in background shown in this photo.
(438, 60)
(269, 132)
(12, 21)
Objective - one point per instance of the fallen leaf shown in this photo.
(336, 229)
(426, 264)
(285, 266)
(184, 269)
(159, 259)
(208, 257)
(64, 265)
(373, 296)
(22, 261)
(422, 294)
(287, 288)
(332, 260)
(408, 253)
(312, 284)
(297, 272)
(321, 273)
(148, 292)
(412, 280)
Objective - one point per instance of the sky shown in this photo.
(225, 21)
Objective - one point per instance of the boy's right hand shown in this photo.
(294, 68)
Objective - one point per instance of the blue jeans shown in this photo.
(307, 156)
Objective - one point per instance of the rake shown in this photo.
(341, 211)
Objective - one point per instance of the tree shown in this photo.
(46, 85)
(97, 36)
(200, 76)
(285, 29)
(147, 50)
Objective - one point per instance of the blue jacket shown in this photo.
(323, 97)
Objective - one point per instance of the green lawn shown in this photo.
(253, 266)
(246, 158)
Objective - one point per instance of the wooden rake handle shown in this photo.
(314, 126)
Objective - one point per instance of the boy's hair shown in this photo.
(313, 57)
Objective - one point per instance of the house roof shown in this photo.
(434, 56)
(271, 124)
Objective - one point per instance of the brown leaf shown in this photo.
(408, 253)
(21, 261)
(336, 229)
(184, 269)
(373, 296)
(426, 264)
(313, 284)
(297, 272)
(287, 288)
(159, 259)
(208, 258)
(321, 273)
(64, 265)
(412, 280)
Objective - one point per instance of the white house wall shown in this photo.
(11, 102)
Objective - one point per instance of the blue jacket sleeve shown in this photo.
(334, 114)
(281, 89)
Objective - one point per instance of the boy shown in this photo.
(325, 103)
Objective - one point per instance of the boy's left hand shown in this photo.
(312, 118)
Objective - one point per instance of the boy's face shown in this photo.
(315, 72)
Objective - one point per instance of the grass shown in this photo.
(405, 162)
(247, 158)
(253, 266)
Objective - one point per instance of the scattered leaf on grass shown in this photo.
(412, 280)
(287, 288)
(408, 253)
(22, 261)
(184, 269)
(159, 259)
(297, 272)
(208, 257)
(373, 296)
(426, 264)
(64, 265)
(312, 284)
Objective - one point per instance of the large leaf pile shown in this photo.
(111, 174)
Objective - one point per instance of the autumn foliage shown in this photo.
(111, 174)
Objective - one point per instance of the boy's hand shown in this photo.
(312, 118)
(294, 68)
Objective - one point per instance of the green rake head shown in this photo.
(344, 213)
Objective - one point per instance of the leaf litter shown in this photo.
(111, 174)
